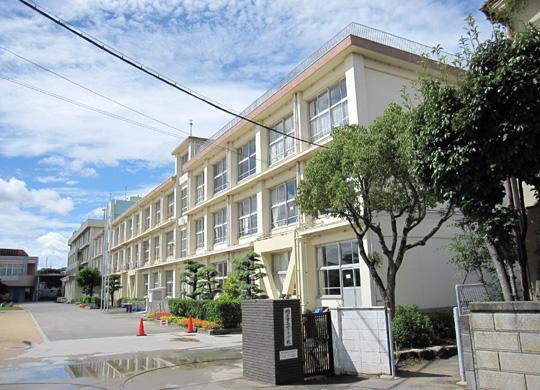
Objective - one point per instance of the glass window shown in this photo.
(280, 263)
(183, 200)
(137, 223)
(199, 233)
(280, 145)
(220, 226)
(199, 188)
(137, 256)
(155, 278)
(183, 160)
(328, 110)
(145, 281)
(247, 156)
(170, 205)
(222, 272)
(157, 242)
(183, 243)
(146, 250)
(282, 205)
(220, 176)
(247, 213)
(339, 266)
(157, 213)
(128, 258)
(147, 218)
(169, 283)
(170, 243)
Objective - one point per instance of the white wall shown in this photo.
(360, 341)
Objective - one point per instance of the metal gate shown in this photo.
(317, 335)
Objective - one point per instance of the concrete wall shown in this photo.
(360, 341)
(506, 345)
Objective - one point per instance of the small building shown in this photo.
(18, 272)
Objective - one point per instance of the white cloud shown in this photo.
(55, 179)
(52, 248)
(14, 192)
(96, 213)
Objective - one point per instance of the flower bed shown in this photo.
(183, 321)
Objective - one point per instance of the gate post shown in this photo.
(272, 341)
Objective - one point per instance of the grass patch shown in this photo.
(10, 308)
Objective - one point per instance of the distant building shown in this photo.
(18, 272)
(85, 250)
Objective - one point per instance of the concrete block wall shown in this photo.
(505, 345)
(360, 341)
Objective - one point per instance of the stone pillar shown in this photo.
(272, 341)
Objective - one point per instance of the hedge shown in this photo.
(225, 312)
(411, 328)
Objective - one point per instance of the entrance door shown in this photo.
(351, 287)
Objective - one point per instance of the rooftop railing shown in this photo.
(356, 29)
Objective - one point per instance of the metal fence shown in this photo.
(355, 29)
(467, 293)
(317, 335)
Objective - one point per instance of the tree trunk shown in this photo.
(502, 275)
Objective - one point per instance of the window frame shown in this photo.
(250, 158)
(157, 247)
(220, 175)
(147, 218)
(199, 188)
(184, 204)
(170, 204)
(340, 267)
(277, 274)
(183, 243)
(288, 143)
(199, 233)
(169, 284)
(288, 204)
(169, 236)
(252, 200)
(315, 113)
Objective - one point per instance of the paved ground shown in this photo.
(167, 358)
(61, 321)
(17, 332)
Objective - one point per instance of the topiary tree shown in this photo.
(365, 174)
(88, 279)
(207, 284)
(114, 285)
(190, 277)
(249, 269)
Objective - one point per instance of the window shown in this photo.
(157, 242)
(247, 155)
(283, 208)
(147, 218)
(222, 272)
(199, 188)
(117, 235)
(280, 263)
(183, 200)
(170, 243)
(128, 258)
(281, 146)
(12, 269)
(137, 256)
(247, 216)
(145, 282)
(146, 250)
(157, 213)
(155, 278)
(220, 176)
(183, 243)
(220, 226)
(129, 229)
(338, 267)
(199, 233)
(328, 110)
(169, 283)
(170, 205)
(137, 223)
(183, 160)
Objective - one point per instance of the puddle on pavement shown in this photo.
(118, 367)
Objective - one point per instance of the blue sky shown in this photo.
(60, 163)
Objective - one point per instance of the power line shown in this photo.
(103, 96)
(153, 73)
(88, 107)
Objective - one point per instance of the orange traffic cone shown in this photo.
(141, 329)
(190, 325)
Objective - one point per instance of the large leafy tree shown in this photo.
(249, 269)
(365, 175)
(190, 276)
(477, 142)
(88, 279)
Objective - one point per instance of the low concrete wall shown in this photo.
(360, 337)
(505, 340)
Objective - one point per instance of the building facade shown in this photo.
(85, 250)
(18, 273)
(236, 191)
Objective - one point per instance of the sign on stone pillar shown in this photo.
(272, 341)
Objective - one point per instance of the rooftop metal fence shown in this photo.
(356, 29)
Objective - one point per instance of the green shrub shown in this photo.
(225, 312)
(411, 328)
(443, 324)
